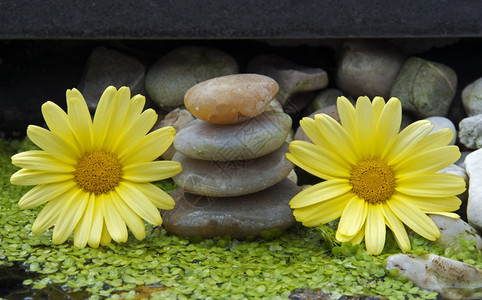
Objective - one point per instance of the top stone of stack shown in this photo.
(231, 99)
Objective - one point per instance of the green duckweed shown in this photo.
(170, 267)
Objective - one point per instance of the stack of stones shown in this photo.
(233, 180)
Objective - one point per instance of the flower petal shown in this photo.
(33, 177)
(431, 185)
(323, 212)
(365, 138)
(317, 161)
(41, 161)
(388, 126)
(414, 218)
(139, 203)
(43, 193)
(113, 221)
(375, 231)
(57, 121)
(133, 221)
(80, 119)
(84, 227)
(103, 118)
(397, 227)
(150, 147)
(346, 111)
(53, 144)
(105, 237)
(49, 214)
(430, 204)
(320, 192)
(353, 216)
(151, 171)
(69, 216)
(156, 195)
(135, 133)
(427, 161)
(97, 223)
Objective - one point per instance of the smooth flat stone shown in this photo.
(230, 99)
(241, 141)
(239, 217)
(232, 178)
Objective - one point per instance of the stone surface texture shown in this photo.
(240, 141)
(171, 76)
(239, 217)
(368, 68)
(232, 178)
(452, 279)
(425, 88)
(472, 98)
(292, 78)
(470, 132)
(107, 67)
(452, 230)
(473, 166)
(231, 99)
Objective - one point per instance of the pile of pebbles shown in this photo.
(234, 173)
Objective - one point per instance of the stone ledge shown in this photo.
(221, 19)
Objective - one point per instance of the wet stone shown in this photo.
(239, 217)
(425, 88)
(232, 178)
(241, 141)
(170, 77)
(231, 99)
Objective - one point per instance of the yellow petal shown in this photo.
(320, 192)
(407, 140)
(119, 111)
(323, 212)
(41, 161)
(365, 138)
(427, 161)
(105, 237)
(397, 227)
(32, 177)
(80, 119)
(414, 218)
(133, 221)
(69, 216)
(353, 216)
(113, 221)
(58, 122)
(346, 111)
(43, 193)
(135, 133)
(431, 204)
(445, 214)
(84, 227)
(49, 214)
(431, 185)
(312, 131)
(97, 223)
(139, 203)
(375, 231)
(378, 104)
(156, 195)
(150, 147)
(53, 144)
(151, 171)
(103, 118)
(388, 126)
(317, 160)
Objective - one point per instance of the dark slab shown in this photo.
(139, 19)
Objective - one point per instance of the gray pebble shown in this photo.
(472, 98)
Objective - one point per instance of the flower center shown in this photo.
(373, 180)
(98, 172)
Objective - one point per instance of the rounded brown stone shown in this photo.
(231, 99)
(239, 217)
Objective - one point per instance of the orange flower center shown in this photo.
(373, 180)
(98, 172)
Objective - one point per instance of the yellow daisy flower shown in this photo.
(374, 174)
(95, 175)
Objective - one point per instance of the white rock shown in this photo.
(473, 166)
(442, 122)
(450, 278)
(452, 230)
(470, 132)
(472, 98)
